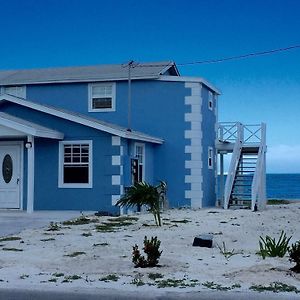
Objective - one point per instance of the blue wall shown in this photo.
(208, 140)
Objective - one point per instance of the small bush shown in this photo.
(269, 246)
(294, 252)
(151, 248)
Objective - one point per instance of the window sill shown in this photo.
(75, 186)
(101, 109)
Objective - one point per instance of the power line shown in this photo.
(218, 60)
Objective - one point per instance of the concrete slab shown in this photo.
(14, 221)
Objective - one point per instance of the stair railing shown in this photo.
(258, 188)
(236, 154)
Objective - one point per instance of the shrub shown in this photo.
(294, 252)
(269, 246)
(151, 249)
(142, 193)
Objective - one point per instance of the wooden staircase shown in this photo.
(245, 182)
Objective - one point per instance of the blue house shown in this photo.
(73, 138)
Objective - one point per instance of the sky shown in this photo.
(51, 33)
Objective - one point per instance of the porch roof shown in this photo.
(28, 128)
(83, 119)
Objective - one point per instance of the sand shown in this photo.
(45, 253)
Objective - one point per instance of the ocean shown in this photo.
(283, 186)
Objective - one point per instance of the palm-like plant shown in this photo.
(143, 193)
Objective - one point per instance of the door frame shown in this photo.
(21, 167)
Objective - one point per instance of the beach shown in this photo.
(98, 255)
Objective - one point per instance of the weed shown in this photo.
(215, 286)
(71, 277)
(53, 226)
(110, 277)
(74, 254)
(86, 234)
(101, 244)
(123, 219)
(154, 276)
(269, 246)
(275, 287)
(294, 252)
(137, 280)
(52, 280)
(58, 274)
(47, 240)
(184, 221)
(277, 202)
(181, 283)
(151, 248)
(24, 276)
(10, 238)
(226, 253)
(82, 220)
(105, 228)
(12, 249)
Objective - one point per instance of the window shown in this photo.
(18, 91)
(75, 164)
(102, 97)
(210, 101)
(210, 158)
(140, 156)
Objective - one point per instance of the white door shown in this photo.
(10, 167)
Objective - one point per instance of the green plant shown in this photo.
(142, 193)
(154, 276)
(275, 287)
(227, 253)
(10, 238)
(53, 227)
(294, 253)
(151, 248)
(269, 247)
(110, 277)
(74, 254)
(216, 286)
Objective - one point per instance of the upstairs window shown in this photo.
(210, 158)
(75, 164)
(18, 91)
(210, 101)
(102, 97)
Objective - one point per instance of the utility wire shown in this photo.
(218, 60)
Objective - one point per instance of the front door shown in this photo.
(10, 171)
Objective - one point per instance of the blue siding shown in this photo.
(209, 137)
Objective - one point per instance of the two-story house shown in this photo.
(65, 141)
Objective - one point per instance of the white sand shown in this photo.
(239, 229)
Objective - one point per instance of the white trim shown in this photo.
(193, 137)
(190, 80)
(82, 120)
(21, 171)
(21, 95)
(28, 128)
(115, 179)
(113, 97)
(116, 160)
(144, 157)
(115, 141)
(61, 184)
(30, 176)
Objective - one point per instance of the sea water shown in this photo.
(282, 186)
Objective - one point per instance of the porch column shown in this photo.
(222, 179)
(30, 173)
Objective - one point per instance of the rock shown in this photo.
(203, 240)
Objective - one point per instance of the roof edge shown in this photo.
(190, 79)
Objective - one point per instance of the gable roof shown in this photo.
(29, 127)
(83, 120)
(88, 73)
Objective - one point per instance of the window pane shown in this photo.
(102, 103)
(76, 174)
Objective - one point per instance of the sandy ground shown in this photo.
(44, 254)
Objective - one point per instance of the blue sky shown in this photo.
(43, 33)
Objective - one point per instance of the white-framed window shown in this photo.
(210, 158)
(102, 97)
(75, 164)
(210, 101)
(139, 153)
(18, 90)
